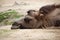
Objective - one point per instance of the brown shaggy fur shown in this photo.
(47, 16)
(49, 13)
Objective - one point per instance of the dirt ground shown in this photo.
(29, 34)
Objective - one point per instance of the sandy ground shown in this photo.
(30, 34)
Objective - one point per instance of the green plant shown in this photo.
(9, 14)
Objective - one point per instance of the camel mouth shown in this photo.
(24, 27)
(21, 27)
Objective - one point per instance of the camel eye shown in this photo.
(27, 20)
